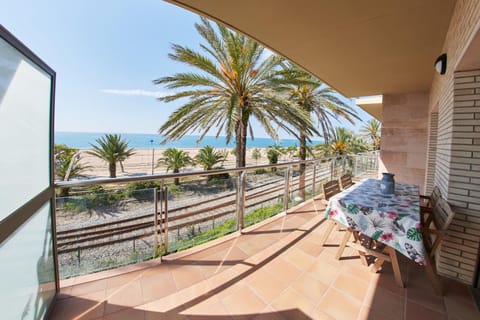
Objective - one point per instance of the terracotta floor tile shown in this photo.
(89, 306)
(186, 275)
(125, 296)
(367, 313)
(310, 287)
(351, 285)
(299, 259)
(170, 304)
(126, 314)
(89, 287)
(266, 285)
(339, 305)
(425, 296)
(310, 247)
(268, 314)
(208, 308)
(416, 311)
(191, 294)
(155, 286)
(386, 281)
(384, 302)
(244, 301)
(121, 280)
(360, 272)
(324, 272)
(461, 306)
(290, 299)
(283, 270)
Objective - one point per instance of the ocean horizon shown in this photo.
(83, 140)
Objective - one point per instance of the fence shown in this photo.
(101, 227)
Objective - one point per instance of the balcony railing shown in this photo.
(107, 223)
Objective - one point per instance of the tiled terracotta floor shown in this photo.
(278, 271)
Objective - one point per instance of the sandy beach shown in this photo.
(141, 162)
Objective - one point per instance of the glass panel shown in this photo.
(25, 129)
(264, 194)
(100, 228)
(201, 210)
(27, 271)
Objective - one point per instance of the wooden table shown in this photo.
(392, 220)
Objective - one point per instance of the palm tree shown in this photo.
(372, 130)
(175, 160)
(207, 157)
(316, 99)
(256, 154)
(112, 149)
(229, 87)
(67, 165)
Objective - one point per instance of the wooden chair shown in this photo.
(427, 203)
(330, 189)
(346, 181)
(434, 231)
(436, 225)
(367, 246)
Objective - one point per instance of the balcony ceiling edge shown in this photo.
(358, 48)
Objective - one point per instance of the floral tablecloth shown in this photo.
(391, 219)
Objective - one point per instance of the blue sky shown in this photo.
(106, 54)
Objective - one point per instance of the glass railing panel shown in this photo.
(100, 228)
(200, 210)
(28, 276)
(264, 194)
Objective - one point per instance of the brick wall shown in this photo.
(458, 256)
(457, 170)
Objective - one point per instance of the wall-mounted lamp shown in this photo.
(441, 64)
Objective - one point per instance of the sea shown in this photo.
(83, 140)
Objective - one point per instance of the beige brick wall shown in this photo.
(457, 171)
(404, 137)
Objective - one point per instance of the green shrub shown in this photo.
(142, 190)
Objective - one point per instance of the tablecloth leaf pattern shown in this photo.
(391, 219)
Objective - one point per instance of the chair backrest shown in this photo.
(436, 194)
(442, 214)
(346, 181)
(330, 189)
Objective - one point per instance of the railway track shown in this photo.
(141, 226)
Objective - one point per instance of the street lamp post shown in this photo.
(153, 155)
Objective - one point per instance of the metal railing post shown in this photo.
(286, 195)
(240, 203)
(155, 224)
(165, 203)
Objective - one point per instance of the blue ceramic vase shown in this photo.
(387, 184)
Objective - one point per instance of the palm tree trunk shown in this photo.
(112, 167)
(176, 181)
(241, 143)
(303, 156)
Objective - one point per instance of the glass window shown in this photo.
(25, 96)
(27, 270)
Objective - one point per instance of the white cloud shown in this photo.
(136, 92)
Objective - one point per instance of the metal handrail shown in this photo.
(97, 181)
(161, 220)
